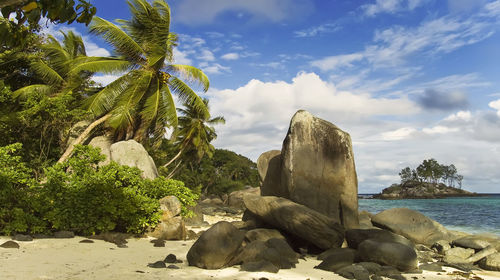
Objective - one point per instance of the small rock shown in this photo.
(22, 237)
(64, 234)
(491, 262)
(171, 258)
(10, 245)
(158, 264)
(354, 271)
(260, 266)
(458, 255)
(173, 266)
(472, 242)
(158, 242)
(86, 241)
(481, 254)
(441, 246)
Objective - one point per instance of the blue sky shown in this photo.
(408, 79)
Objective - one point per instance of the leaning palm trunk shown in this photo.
(82, 136)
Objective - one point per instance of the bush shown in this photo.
(81, 196)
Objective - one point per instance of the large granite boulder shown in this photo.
(172, 228)
(336, 258)
(263, 234)
(394, 254)
(354, 237)
(317, 168)
(235, 199)
(133, 154)
(269, 167)
(491, 262)
(103, 143)
(297, 220)
(216, 247)
(412, 225)
(170, 207)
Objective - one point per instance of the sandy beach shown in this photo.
(69, 259)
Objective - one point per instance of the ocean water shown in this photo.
(467, 214)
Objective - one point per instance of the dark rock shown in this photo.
(412, 225)
(216, 246)
(491, 262)
(120, 239)
(318, 170)
(269, 167)
(171, 258)
(394, 254)
(472, 242)
(288, 257)
(64, 234)
(41, 236)
(244, 225)
(297, 219)
(173, 266)
(10, 245)
(441, 246)
(336, 258)
(261, 265)
(254, 251)
(432, 267)
(158, 242)
(422, 248)
(371, 267)
(354, 271)
(22, 237)
(390, 272)
(158, 264)
(191, 235)
(235, 199)
(355, 236)
(86, 241)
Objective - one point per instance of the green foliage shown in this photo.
(81, 196)
(432, 172)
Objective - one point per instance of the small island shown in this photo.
(429, 180)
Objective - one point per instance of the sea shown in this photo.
(467, 214)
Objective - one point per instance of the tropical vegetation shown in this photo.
(431, 171)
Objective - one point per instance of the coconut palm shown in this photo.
(194, 134)
(140, 103)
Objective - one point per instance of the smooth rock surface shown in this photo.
(355, 236)
(263, 234)
(336, 258)
(471, 241)
(235, 199)
(170, 206)
(170, 229)
(441, 246)
(269, 167)
(318, 169)
(133, 154)
(394, 254)
(412, 225)
(103, 143)
(297, 219)
(215, 247)
(491, 262)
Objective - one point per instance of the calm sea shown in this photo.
(470, 214)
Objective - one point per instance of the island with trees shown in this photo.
(429, 180)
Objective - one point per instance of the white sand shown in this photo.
(69, 259)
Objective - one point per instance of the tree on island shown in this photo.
(430, 171)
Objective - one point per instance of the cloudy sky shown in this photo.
(408, 79)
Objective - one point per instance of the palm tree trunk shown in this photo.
(173, 159)
(82, 136)
(175, 170)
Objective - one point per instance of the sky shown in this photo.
(408, 79)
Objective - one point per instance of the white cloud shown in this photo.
(333, 62)
(390, 6)
(195, 12)
(181, 57)
(459, 116)
(495, 105)
(214, 68)
(439, 129)
(104, 80)
(398, 134)
(206, 55)
(230, 56)
(317, 30)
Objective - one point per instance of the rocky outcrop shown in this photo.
(235, 199)
(419, 190)
(133, 154)
(318, 168)
(171, 226)
(394, 254)
(297, 219)
(354, 237)
(412, 225)
(216, 247)
(269, 167)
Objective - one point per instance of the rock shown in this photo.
(481, 254)
(432, 267)
(336, 258)
(235, 199)
(262, 234)
(171, 207)
(257, 266)
(133, 154)
(10, 245)
(269, 167)
(158, 264)
(120, 239)
(197, 219)
(297, 219)
(365, 220)
(354, 271)
(216, 201)
(253, 251)
(64, 234)
(170, 258)
(355, 236)
(86, 241)
(318, 170)
(471, 241)
(412, 225)
(459, 252)
(441, 246)
(22, 237)
(491, 262)
(173, 266)
(158, 242)
(394, 254)
(171, 229)
(287, 256)
(191, 235)
(371, 267)
(216, 246)
(275, 251)
(104, 143)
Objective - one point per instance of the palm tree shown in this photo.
(140, 103)
(194, 134)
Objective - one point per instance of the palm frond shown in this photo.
(190, 74)
(217, 120)
(103, 101)
(73, 44)
(46, 73)
(27, 90)
(106, 65)
(187, 95)
(121, 41)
